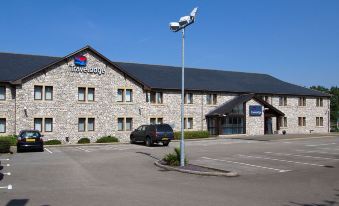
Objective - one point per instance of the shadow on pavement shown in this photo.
(324, 203)
(1, 176)
(17, 202)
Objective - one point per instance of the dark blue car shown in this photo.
(151, 134)
(30, 139)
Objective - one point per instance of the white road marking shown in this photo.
(7, 173)
(281, 160)
(82, 149)
(4, 159)
(330, 148)
(246, 164)
(316, 145)
(9, 187)
(296, 155)
(48, 150)
(316, 151)
(6, 165)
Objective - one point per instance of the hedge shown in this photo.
(84, 141)
(107, 139)
(11, 138)
(52, 142)
(5, 145)
(192, 134)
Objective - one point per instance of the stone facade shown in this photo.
(20, 108)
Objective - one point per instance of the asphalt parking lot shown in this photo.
(284, 172)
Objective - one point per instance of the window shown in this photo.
(302, 101)
(48, 125)
(81, 93)
(211, 99)
(155, 97)
(2, 93)
(156, 120)
(90, 94)
(38, 92)
(128, 95)
(301, 121)
(48, 93)
(125, 95)
(2, 125)
(189, 98)
(90, 124)
(283, 122)
(120, 124)
(265, 98)
(129, 124)
(82, 124)
(188, 123)
(282, 101)
(319, 121)
(320, 102)
(38, 124)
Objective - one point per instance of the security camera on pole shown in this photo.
(177, 26)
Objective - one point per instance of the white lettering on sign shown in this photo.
(94, 70)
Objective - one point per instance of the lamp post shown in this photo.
(175, 27)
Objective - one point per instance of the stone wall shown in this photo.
(7, 109)
(254, 124)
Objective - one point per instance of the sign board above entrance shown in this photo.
(255, 110)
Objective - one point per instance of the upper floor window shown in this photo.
(302, 101)
(211, 99)
(85, 93)
(301, 121)
(125, 95)
(2, 93)
(282, 101)
(188, 98)
(154, 97)
(319, 102)
(2, 125)
(41, 92)
(265, 98)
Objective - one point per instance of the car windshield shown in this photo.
(30, 134)
(164, 128)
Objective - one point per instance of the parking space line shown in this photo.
(4, 159)
(82, 149)
(297, 155)
(9, 187)
(246, 164)
(316, 151)
(282, 160)
(7, 173)
(328, 148)
(316, 145)
(48, 150)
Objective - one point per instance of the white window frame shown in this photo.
(3, 91)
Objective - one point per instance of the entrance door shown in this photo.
(268, 125)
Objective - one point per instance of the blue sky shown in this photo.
(294, 40)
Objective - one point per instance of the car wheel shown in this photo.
(148, 142)
(165, 143)
(18, 149)
(132, 140)
(41, 149)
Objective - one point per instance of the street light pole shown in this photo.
(175, 27)
(182, 140)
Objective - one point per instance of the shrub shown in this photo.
(52, 142)
(84, 140)
(106, 139)
(11, 138)
(173, 159)
(192, 134)
(5, 145)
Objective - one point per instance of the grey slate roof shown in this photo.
(227, 107)
(16, 66)
(168, 77)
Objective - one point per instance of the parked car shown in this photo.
(151, 134)
(30, 139)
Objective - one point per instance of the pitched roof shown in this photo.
(14, 67)
(227, 107)
(168, 77)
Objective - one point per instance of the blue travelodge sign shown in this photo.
(255, 110)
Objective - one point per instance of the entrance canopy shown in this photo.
(227, 107)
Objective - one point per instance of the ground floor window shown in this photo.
(48, 125)
(212, 126)
(188, 123)
(232, 125)
(38, 124)
(283, 122)
(125, 124)
(90, 124)
(82, 124)
(319, 121)
(155, 120)
(2, 125)
(86, 124)
(43, 124)
(301, 121)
